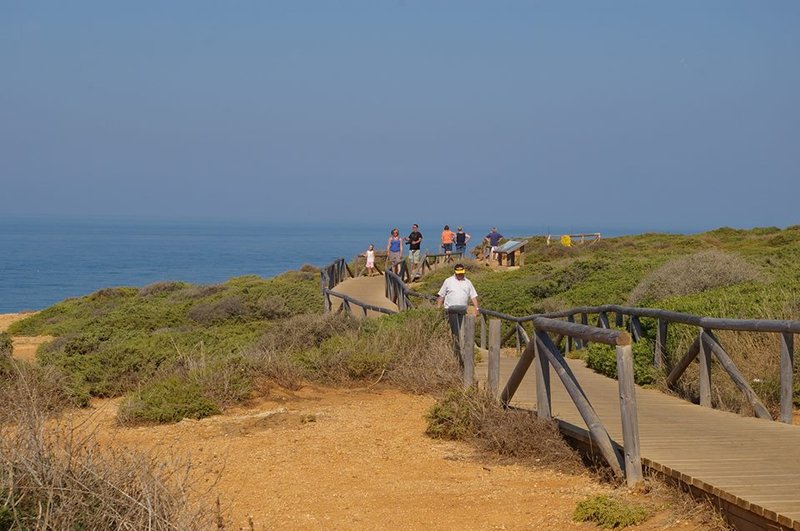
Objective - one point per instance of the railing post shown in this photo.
(576, 343)
(619, 319)
(584, 321)
(628, 411)
(705, 371)
(468, 349)
(602, 320)
(544, 409)
(660, 352)
(483, 331)
(493, 379)
(787, 376)
(636, 328)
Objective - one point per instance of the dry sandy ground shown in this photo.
(24, 347)
(325, 458)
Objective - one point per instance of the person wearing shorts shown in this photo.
(394, 248)
(447, 240)
(414, 241)
(493, 239)
(462, 238)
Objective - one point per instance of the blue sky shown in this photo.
(679, 115)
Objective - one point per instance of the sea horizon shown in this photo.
(44, 261)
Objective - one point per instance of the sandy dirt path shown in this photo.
(24, 346)
(322, 458)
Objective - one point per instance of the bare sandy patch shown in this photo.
(355, 459)
(24, 346)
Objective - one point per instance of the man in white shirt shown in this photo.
(457, 291)
(454, 295)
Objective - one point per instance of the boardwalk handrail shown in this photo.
(702, 348)
(330, 276)
(347, 301)
(547, 354)
(400, 294)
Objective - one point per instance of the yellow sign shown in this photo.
(566, 240)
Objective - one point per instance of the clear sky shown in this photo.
(678, 115)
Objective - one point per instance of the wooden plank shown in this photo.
(684, 362)
(468, 349)
(543, 409)
(628, 413)
(787, 377)
(738, 379)
(493, 380)
(660, 352)
(598, 432)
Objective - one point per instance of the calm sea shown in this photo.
(43, 262)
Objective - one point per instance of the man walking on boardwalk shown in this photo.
(414, 241)
(454, 295)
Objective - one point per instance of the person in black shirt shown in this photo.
(414, 241)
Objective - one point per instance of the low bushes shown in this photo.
(610, 512)
(473, 416)
(603, 359)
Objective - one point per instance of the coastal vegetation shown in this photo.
(175, 350)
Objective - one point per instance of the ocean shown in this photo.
(45, 261)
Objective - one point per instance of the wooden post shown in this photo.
(572, 343)
(619, 320)
(602, 320)
(660, 352)
(517, 336)
(705, 372)
(468, 349)
(787, 376)
(684, 362)
(636, 328)
(483, 332)
(585, 321)
(597, 431)
(493, 379)
(712, 343)
(628, 412)
(517, 374)
(543, 405)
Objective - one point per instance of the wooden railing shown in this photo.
(400, 294)
(330, 276)
(547, 353)
(705, 344)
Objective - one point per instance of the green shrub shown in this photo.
(610, 513)
(455, 416)
(603, 359)
(170, 399)
(6, 345)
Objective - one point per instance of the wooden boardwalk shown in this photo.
(751, 465)
(366, 289)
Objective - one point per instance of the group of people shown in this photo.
(450, 241)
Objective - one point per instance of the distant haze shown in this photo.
(678, 115)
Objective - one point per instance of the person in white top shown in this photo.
(370, 256)
(454, 295)
(457, 291)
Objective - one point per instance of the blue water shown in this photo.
(44, 262)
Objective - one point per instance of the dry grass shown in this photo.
(56, 476)
(472, 415)
(692, 274)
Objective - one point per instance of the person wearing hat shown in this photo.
(454, 295)
(462, 239)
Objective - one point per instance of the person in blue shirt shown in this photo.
(493, 240)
